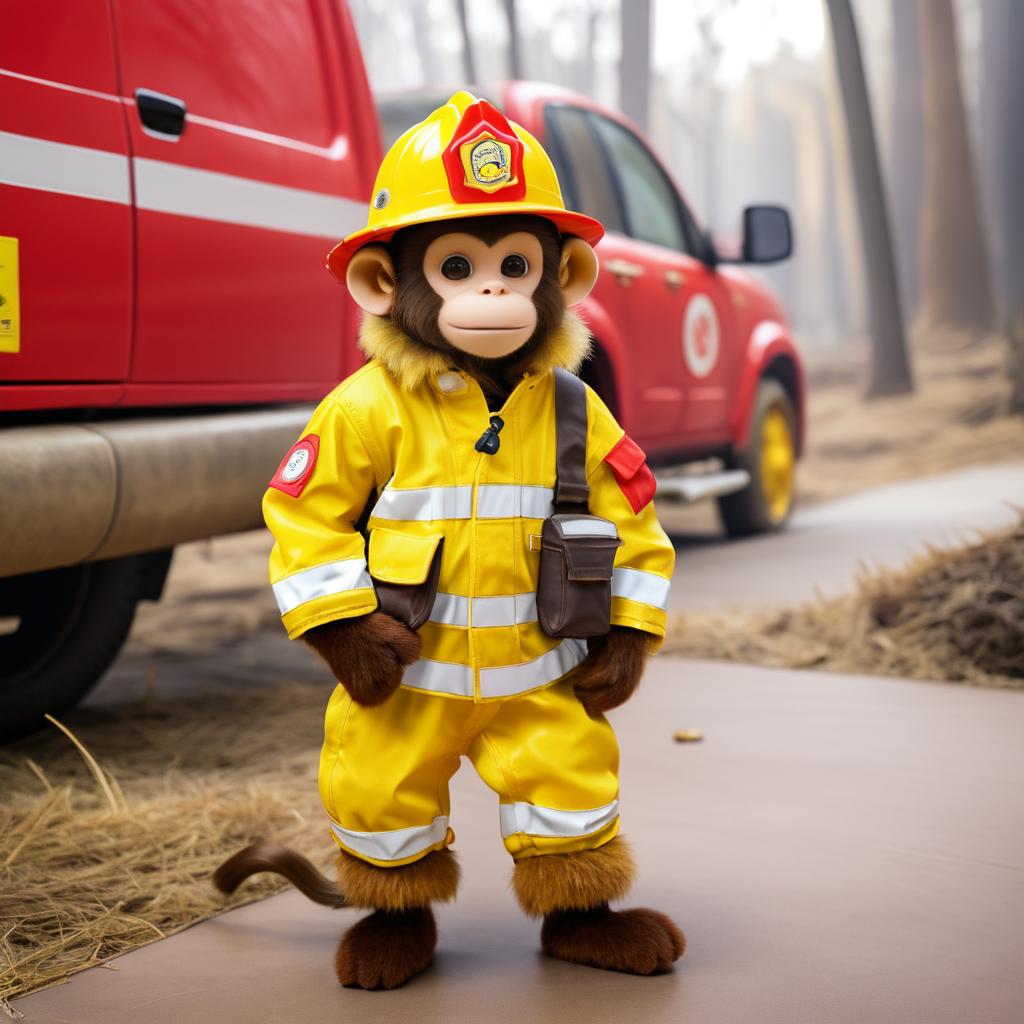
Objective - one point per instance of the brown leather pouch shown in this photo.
(577, 550)
(405, 569)
(574, 589)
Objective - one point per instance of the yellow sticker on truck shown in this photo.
(10, 313)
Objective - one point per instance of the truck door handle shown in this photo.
(162, 116)
(623, 270)
(673, 278)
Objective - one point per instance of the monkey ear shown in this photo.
(371, 279)
(577, 270)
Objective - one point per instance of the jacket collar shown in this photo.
(412, 364)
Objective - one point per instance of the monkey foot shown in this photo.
(635, 941)
(386, 949)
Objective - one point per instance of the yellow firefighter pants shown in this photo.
(384, 772)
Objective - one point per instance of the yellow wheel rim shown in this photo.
(777, 462)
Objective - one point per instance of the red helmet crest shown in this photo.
(484, 157)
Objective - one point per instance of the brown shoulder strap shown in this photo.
(571, 490)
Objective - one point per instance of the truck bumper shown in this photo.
(82, 492)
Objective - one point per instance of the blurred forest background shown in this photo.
(744, 102)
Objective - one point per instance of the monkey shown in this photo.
(457, 307)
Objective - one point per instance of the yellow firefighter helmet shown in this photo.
(464, 160)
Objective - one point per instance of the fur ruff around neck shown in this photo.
(412, 364)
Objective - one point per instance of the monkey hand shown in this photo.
(611, 671)
(366, 654)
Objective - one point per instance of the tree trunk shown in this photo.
(1002, 166)
(635, 63)
(515, 62)
(468, 64)
(906, 148)
(890, 364)
(955, 289)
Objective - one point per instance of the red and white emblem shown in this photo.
(297, 466)
(701, 336)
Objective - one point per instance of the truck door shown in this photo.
(65, 198)
(680, 307)
(245, 176)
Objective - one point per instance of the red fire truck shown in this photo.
(171, 176)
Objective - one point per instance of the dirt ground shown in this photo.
(956, 416)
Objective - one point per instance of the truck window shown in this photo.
(580, 164)
(244, 62)
(651, 201)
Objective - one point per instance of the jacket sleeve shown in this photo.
(621, 489)
(318, 562)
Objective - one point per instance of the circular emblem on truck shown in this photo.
(701, 336)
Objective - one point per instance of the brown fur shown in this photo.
(432, 879)
(366, 654)
(574, 881)
(635, 941)
(416, 304)
(612, 669)
(263, 856)
(385, 950)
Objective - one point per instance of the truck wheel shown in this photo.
(60, 630)
(770, 459)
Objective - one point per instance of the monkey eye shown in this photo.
(456, 268)
(514, 265)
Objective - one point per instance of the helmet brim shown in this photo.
(568, 222)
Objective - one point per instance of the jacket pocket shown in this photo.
(574, 589)
(405, 570)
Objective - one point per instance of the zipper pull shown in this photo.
(489, 442)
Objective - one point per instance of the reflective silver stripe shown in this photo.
(69, 170)
(534, 820)
(450, 610)
(424, 503)
(509, 679)
(645, 587)
(494, 501)
(588, 528)
(440, 677)
(396, 844)
(321, 580)
(510, 610)
(191, 192)
(503, 681)
(499, 501)
(507, 610)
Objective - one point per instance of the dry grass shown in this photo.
(95, 861)
(949, 615)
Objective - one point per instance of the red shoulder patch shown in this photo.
(634, 477)
(297, 466)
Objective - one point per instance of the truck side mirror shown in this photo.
(767, 234)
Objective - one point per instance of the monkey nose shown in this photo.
(493, 288)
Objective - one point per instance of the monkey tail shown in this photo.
(264, 856)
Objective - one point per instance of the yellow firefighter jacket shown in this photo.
(404, 427)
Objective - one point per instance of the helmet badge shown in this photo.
(484, 157)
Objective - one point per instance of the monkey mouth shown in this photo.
(460, 327)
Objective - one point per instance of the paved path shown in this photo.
(838, 849)
(824, 545)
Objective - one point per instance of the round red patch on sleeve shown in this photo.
(297, 466)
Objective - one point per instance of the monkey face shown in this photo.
(486, 291)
